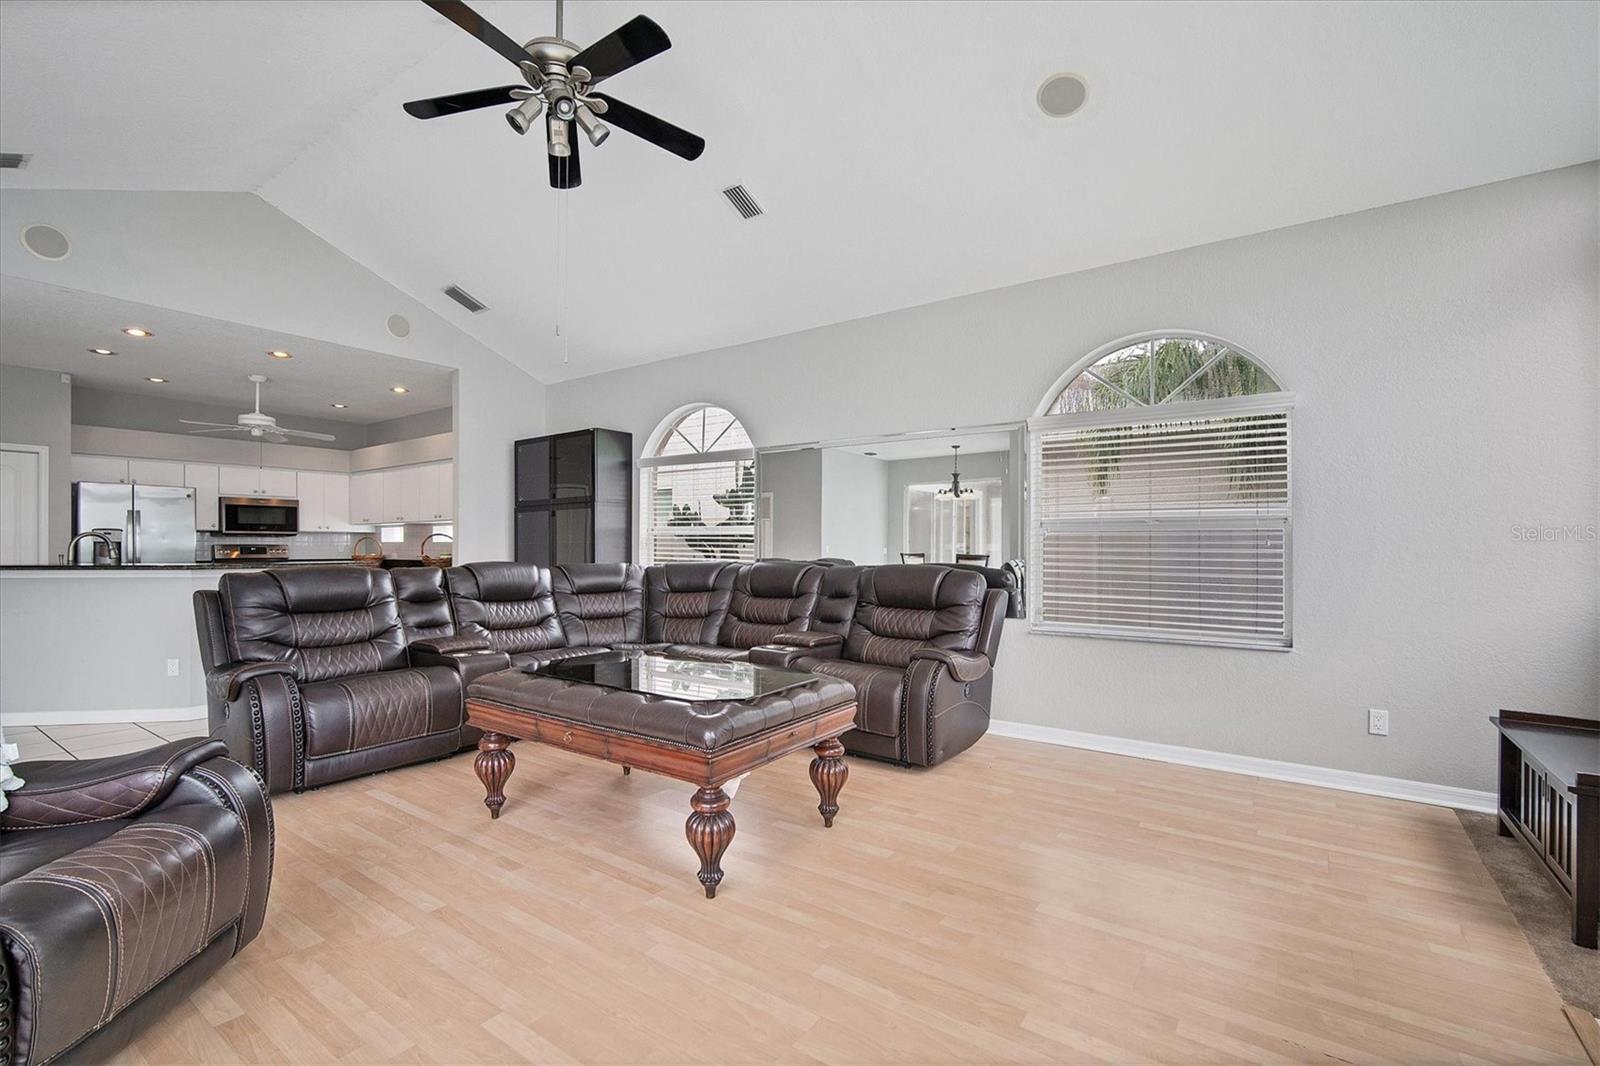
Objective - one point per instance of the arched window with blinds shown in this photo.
(697, 489)
(1160, 496)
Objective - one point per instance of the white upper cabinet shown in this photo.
(256, 481)
(366, 497)
(436, 492)
(155, 472)
(103, 468)
(402, 494)
(324, 501)
(202, 477)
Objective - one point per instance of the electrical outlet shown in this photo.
(1377, 722)
(172, 667)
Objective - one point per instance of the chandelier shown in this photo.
(955, 491)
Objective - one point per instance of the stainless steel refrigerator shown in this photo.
(157, 521)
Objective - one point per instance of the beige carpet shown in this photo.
(1541, 909)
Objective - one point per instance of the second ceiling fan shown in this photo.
(560, 81)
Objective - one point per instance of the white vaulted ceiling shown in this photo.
(895, 146)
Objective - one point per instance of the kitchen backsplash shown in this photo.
(329, 545)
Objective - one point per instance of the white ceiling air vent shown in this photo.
(743, 202)
(465, 299)
(13, 160)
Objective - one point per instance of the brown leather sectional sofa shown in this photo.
(317, 674)
(124, 883)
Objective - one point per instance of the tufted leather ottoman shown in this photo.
(702, 722)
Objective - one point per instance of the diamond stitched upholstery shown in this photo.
(511, 603)
(769, 598)
(353, 713)
(600, 603)
(326, 621)
(685, 603)
(903, 608)
(424, 604)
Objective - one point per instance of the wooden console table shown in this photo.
(1550, 797)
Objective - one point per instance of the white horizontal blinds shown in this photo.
(1172, 529)
(699, 511)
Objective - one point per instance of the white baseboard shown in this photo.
(159, 714)
(1466, 799)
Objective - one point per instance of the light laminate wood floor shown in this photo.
(1022, 903)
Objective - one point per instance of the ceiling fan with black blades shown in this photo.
(258, 425)
(560, 79)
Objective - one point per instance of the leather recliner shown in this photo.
(124, 883)
(918, 647)
(311, 678)
(767, 598)
(685, 603)
(512, 607)
(600, 604)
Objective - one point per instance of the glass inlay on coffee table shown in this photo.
(686, 679)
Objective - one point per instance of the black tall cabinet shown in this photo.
(574, 498)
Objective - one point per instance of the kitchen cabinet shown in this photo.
(256, 481)
(102, 468)
(366, 497)
(202, 477)
(324, 501)
(436, 492)
(155, 472)
(402, 494)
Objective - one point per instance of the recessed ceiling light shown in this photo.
(157, 381)
(398, 388)
(340, 406)
(279, 353)
(1062, 95)
(135, 331)
(101, 351)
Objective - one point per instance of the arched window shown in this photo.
(1160, 496)
(697, 484)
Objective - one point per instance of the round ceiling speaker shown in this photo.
(46, 242)
(399, 327)
(1062, 95)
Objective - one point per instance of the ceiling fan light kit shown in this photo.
(560, 81)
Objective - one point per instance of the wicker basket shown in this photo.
(436, 560)
(361, 558)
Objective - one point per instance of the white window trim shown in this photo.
(645, 463)
(1041, 422)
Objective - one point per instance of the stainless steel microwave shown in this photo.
(254, 514)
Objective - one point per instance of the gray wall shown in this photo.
(1444, 354)
(903, 472)
(36, 408)
(854, 518)
(795, 481)
(110, 409)
(410, 427)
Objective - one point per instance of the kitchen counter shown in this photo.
(219, 564)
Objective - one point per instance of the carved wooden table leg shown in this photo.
(494, 763)
(626, 769)
(710, 830)
(828, 773)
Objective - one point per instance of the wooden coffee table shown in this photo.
(701, 722)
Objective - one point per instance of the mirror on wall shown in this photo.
(893, 498)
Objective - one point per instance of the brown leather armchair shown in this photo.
(919, 647)
(685, 603)
(600, 604)
(310, 680)
(511, 606)
(124, 883)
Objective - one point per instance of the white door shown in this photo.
(22, 508)
(202, 477)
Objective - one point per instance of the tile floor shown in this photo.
(96, 741)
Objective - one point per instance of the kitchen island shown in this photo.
(105, 643)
